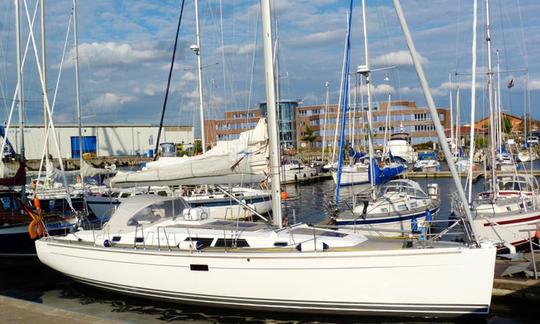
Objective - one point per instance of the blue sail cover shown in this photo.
(355, 155)
(8, 149)
(385, 174)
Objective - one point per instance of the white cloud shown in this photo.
(534, 85)
(409, 91)
(238, 49)
(399, 58)
(109, 101)
(322, 38)
(462, 85)
(377, 90)
(111, 53)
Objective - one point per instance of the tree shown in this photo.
(309, 136)
(506, 125)
(198, 147)
(480, 142)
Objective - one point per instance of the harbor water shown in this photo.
(308, 203)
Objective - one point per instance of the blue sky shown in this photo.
(126, 45)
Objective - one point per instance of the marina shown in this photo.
(124, 197)
(511, 296)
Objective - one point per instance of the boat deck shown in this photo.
(372, 244)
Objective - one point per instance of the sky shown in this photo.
(125, 50)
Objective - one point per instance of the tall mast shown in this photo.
(325, 120)
(271, 106)
(490, 99)
(458, 121)
(473, 100)
(436, 121)
(367, 74)
(453, 143)
(340, 99)
(20, 84)
(344, 101)
(200, 76)
(44, 73)
(77, 88)
(499, 106)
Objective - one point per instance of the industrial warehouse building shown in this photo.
(101, 140)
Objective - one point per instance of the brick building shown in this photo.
(230, 127)
(397, 116)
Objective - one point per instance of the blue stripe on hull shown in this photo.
(353, 184)
(387, 220)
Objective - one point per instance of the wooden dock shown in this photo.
(311, 179)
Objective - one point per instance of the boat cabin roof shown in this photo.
(403, 186)
(400, 136)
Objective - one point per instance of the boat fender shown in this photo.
(107, 243)
(190, 245)
(429, 215)
(414, 225)
(433, 190)
(312, 246)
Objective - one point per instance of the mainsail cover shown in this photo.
(243, 160)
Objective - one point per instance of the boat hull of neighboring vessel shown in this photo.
(352, 177)
(15, 242)
(509, 228)
(377, 285)
(387, 226)
(224, 208)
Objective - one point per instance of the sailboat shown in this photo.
(239, 161)
(362, 171)
(56, 195)
(393, 209)
(511, 201)
(156, 247)
(22, 223)
(398, 209)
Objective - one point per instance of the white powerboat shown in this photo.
(400, 147)
(427, 166)
(527, 156)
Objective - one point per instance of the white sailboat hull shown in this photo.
(337, 282)
(293, 173)
(352, 176)
(508, 228)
